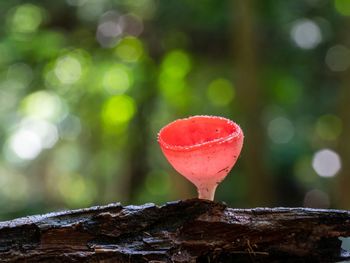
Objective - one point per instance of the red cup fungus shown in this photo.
(203, 149)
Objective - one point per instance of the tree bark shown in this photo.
(182, 231)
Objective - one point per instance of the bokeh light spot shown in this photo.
(117, 79)
(69, 127)
(338, 58)
(68, 69)
(329, 127)
(26, 18)
(44, 105)
(129, 49)
(25, 144)
(76, 190)
(118, 110)
(280, 130)
(343, 7)
(90, 10)
(171, 87)
(12, 86)
(31, 137)
(145, 9)
(316, 199)
(306, 34)
(47, 132)
(286, 89)
(175, 90)
(220, 92)
(176, 64)
(109, 29)
(304, 172)
(131, 24)
(326, 163)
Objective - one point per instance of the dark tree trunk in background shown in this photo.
(182, 231)
(245, 49)
(138, 140)
(139, 137)
(343, 178)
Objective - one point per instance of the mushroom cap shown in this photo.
(202, 148)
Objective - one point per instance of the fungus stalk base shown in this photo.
(207, 192)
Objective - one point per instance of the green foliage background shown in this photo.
(85, 85)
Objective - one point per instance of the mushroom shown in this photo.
(203, 149)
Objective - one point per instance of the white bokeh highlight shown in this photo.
(46, 131)
(32, 137)
(326, 163)
(26, 144)
(68, 70)
(306, 34)
(109, 29)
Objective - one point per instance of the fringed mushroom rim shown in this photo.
(235, 134)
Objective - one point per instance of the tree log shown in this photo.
(182, 231)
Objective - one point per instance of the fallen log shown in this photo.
(182, 231)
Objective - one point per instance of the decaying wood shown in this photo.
(182, 231)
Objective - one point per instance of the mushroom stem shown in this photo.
(207, 191)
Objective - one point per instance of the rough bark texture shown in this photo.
(182, 231)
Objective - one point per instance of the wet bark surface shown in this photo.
(182, 231)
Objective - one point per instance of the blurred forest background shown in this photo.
(85, 85)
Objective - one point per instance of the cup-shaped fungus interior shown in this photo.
(196, 131)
